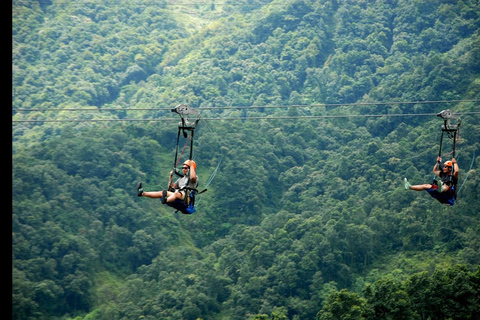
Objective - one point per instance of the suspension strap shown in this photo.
(454, 143)
(176, 151)
(183, 151)
(440, 152)
(191, 143)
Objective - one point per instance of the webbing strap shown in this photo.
(176, 151)
(191, 145)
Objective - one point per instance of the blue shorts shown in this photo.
(443, 197)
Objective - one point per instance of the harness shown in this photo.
(187, 205)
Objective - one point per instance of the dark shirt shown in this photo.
(448, 179)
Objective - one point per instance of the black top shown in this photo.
(448, 179)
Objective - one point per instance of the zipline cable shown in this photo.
(210, 179)
(247, 118)
(315, 105)
(469, 170)
(214, 173)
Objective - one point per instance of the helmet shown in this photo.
(448, 163)
(191, 163)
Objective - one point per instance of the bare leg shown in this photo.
(152, 194)
(421, 187)
(172, 196)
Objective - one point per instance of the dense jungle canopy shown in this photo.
(323, 107)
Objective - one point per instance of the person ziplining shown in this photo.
(443, 189)
(444, 185)
(181, 193)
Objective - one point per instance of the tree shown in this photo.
(454, 294)
(388, 300)
(344, 305)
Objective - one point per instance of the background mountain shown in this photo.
(306, 216)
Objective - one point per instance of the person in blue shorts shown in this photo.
(444, 189)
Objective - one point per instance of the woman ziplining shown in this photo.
(443, 189)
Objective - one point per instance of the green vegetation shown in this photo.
(306, 218)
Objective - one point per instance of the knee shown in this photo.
(178, 195)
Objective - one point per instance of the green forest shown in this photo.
(312, 114)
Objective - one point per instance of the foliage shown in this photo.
(305, 218)
(445, 294)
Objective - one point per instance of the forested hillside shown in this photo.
(313, 113)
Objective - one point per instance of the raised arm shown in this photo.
(455, 168)
(192, 172)
(436, 170)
